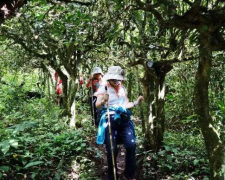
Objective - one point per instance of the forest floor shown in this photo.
(102, 166)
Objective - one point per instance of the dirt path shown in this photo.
(102, 163)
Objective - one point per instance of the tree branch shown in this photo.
(150, 8)
(70, 1)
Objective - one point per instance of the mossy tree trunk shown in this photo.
(160, 111)
(212, 139)
(160, 73)
(129, 85)
(154, 99)
(148, 92)
(142, 117)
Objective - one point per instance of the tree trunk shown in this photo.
(143, 124)
(160, 111)
(212, 139)
(154, 82)
(129, 85)
(148, 85)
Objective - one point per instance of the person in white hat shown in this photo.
(93, 83)
(95, 79)
(122, 128)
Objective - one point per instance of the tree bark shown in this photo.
(129, 85)
(143, 120)
(212, 138)
(148, 87)
(160, 111)
(154, 81)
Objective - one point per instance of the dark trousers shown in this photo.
(121, 133)
(92, 101)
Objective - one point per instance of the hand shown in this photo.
(140, 99)
(106, 97)
(90, 78)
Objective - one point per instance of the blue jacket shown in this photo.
(103, 122)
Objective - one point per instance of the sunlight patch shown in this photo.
(75, 168)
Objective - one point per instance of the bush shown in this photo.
(183, 156)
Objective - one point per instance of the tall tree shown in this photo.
(199, 16)
(60, 36)
(141, 39)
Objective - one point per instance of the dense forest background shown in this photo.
(173, 55)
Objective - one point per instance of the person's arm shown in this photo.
(133, 104)
(88, 84)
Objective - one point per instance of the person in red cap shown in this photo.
(59, 91)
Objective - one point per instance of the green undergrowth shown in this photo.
(182, 157)
(36, 141)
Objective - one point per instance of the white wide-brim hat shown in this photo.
(115, 72)
(97, 70)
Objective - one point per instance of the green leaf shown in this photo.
(13, 143)
(175, 150)
(169, 158)
(33, 175)
(203, 28)
(40, 17)
(196, 162)
(5, 146)
(170, 97)
(167, 148)
(34, 164)
(223, 169)
(78, 148)
(4, 168)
